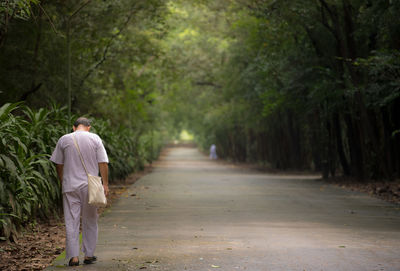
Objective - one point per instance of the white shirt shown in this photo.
(65, 153)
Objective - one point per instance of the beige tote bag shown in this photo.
(95, 187)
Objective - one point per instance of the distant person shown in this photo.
(213, 152)
(74, 182)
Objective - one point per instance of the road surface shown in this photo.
(194, 214)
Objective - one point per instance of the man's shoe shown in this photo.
(73, 263)
(90, 260)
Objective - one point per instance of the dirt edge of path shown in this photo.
(38, 246)
(385, 190)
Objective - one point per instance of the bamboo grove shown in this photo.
(299, 84)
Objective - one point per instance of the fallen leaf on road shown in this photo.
(215, 266)
(342, 246)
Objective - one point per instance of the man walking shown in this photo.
(74, 184)
(213, 152)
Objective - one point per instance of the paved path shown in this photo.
(192, 214)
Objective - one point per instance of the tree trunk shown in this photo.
(388, 146)
(395, 113)
(339, 144)
(331, 154)
(35, 63)
(355, 148)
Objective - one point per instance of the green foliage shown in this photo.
(127, 150)
(29, 188)
(20, 9)
(299, 84)
(295, 84)
(114, 47)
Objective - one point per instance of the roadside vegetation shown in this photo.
(29, 188)
(60, 60)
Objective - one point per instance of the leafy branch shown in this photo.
(107, 48)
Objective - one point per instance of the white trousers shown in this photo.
(76, 204)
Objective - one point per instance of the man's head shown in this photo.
(82, 124)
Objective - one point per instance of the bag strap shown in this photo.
(80, 155)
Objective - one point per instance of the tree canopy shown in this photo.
(293, 84)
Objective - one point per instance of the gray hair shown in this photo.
(82, 121)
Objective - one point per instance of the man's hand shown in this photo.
(60, 170)
(104, 176)
(105, 189)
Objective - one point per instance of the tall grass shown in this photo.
(29, 188)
